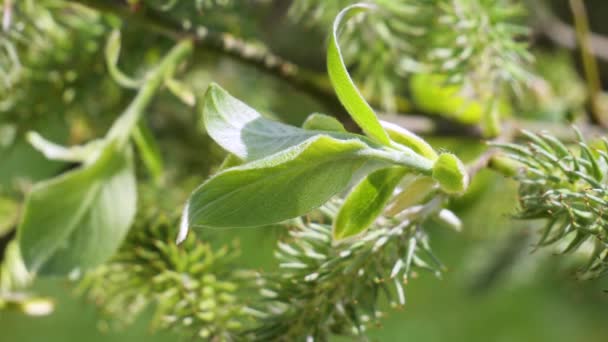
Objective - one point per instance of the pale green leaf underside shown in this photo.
(283, 186)
(242, 131)
(78, 220)
(345, 88)
(366, 202)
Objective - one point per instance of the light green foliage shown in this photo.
(191, 288)
(242, 131)
(477, 45)
(14, 279)
(283, 186)
(79, 219)
(565, 186)
(322, 122)
(408, 139)
(299, 169)
(366, 202)
(414, 191)
(345, 89)
(451, 174)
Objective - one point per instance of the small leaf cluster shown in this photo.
(90, 208)
(191, 286)
(567, 187)
(285, 171)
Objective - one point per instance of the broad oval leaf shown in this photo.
(366, 202)
(242, 131)
(345, 88)
(413, 193)
(78, 220)
(283, 186)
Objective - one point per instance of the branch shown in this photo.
(310, 82)
(307, 81)
(563, 34)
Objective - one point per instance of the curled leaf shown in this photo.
(345, 88)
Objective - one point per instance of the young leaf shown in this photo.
(406, 138)
(366, 202)
(79, 219)
(283, 186)
(243, 132)
(345, 88)
(322, 122)
(451, 175)
(112, 52)
(413, 193)
(54, 151)
(149, 151)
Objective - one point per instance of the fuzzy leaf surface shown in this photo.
(78, 220)
(345, 88)
(242, 131)
(283, 186)
(366, 202)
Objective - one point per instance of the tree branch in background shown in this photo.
(563, 34)
(316, 84)
(591, 70)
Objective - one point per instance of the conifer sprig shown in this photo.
(323, 289)
(568, 188)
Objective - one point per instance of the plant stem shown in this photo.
(410, 160)
(123, 127)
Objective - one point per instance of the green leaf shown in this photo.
(112, 52)
(413, 193)
(366, 202)
(322, 122)
(283, 186)
(149, 151)
(243, 132)
(345, 88)
(406, 138)
(78, 220)
(54, 151)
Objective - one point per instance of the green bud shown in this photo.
(322, 122)
(451, 174)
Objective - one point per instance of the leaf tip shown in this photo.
(184, 225)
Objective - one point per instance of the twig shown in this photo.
(590, 67)
(508, 133)
(563, 34)
(307, 81)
